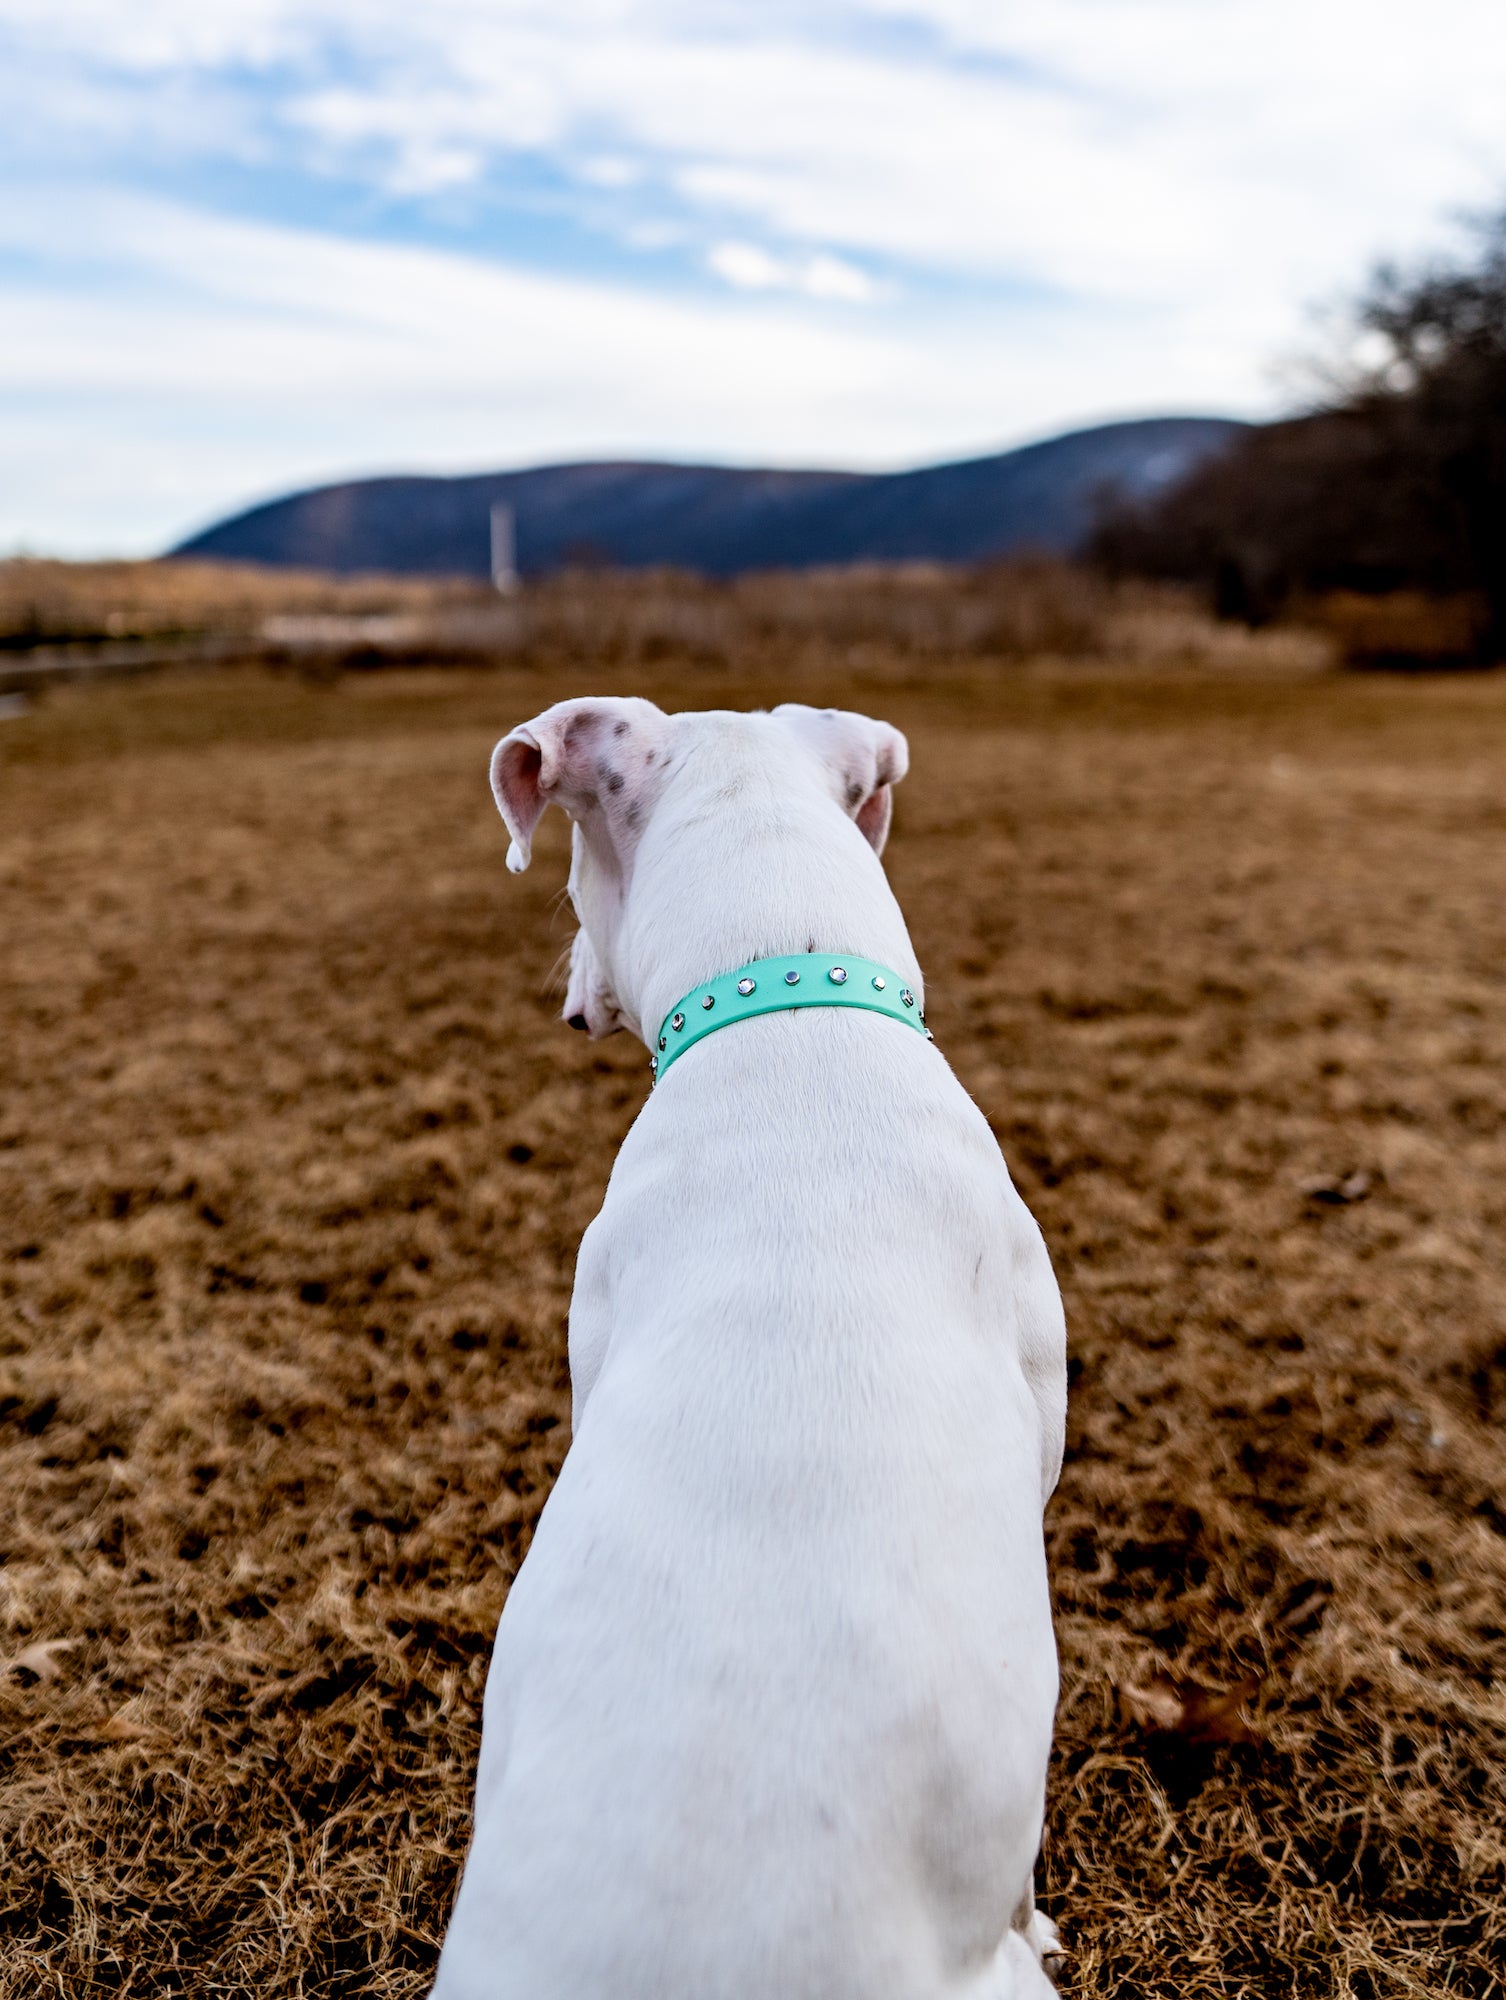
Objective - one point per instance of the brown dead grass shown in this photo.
(44, 601)
(294, 1158)
(862, 615)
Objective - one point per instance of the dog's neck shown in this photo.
(712, 891)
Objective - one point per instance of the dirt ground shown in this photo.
(294, 1157)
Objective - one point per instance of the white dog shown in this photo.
(770, 1708)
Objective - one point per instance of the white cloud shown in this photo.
(610, 171)
(1050, 210)
(212, 359)
(750, 268)
(827, 277)
(1104, 145)
(213, 362)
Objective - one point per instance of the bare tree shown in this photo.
(1397, 480)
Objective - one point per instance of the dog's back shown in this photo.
(771, 1702)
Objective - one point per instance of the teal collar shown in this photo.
(778, 986)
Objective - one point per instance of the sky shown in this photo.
(252, 245)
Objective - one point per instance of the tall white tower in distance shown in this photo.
(504, 548)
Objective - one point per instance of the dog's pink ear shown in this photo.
(866, 759)
(596, 758)
(517, 767)
(873, 817)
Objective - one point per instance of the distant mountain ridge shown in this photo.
(722, 520)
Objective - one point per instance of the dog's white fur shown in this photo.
(770, 1707)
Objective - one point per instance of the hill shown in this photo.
(722, 519)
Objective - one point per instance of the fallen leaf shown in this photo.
(1185, 1708)
(122, 1728)
(1157, 1705)
(1213, 1717)
(38, 1658)
(1338, 1188)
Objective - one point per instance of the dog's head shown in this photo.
(610, 761)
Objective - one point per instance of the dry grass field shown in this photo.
(293, 1160)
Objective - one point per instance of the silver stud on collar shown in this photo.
(653, 1064)
(832, 976)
